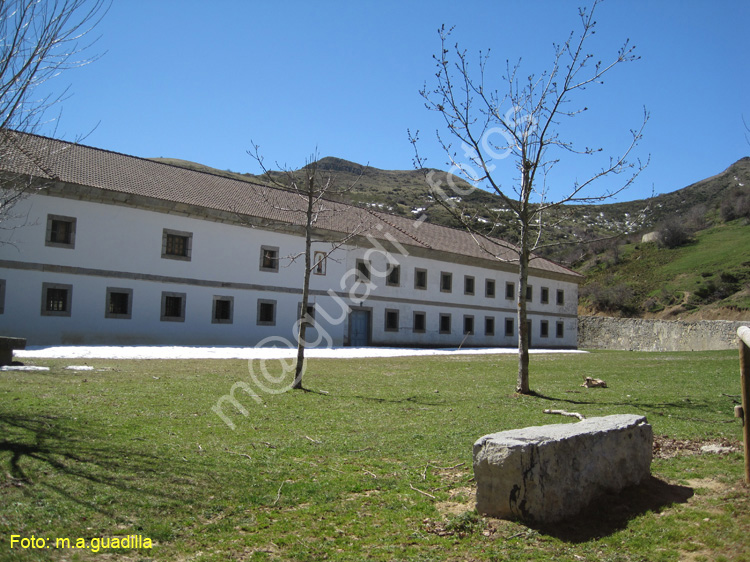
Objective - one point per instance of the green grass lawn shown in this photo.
(377, 469)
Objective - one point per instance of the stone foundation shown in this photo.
(639, 334)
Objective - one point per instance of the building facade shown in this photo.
(109, 249)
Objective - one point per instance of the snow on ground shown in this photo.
(190, 352)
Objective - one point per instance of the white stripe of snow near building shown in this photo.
(187, 352)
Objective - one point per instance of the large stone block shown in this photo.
(7, 345)
(546, 473)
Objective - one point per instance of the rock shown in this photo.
(7, 345)
(547, 473)
(591, 382)
(717, 449)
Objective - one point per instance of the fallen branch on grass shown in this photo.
(564, 413)
(422, 492)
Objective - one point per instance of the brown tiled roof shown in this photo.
(72, 163)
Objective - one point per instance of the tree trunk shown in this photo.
(303, 316)
(522, 384)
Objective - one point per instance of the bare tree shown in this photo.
(313, 190)
(522, 122)
(40, 39)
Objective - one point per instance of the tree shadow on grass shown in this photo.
(612, 512)
(35, 450)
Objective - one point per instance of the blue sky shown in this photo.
(200, 80)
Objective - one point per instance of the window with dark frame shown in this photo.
(560, 297)
(310, 316)
(489, 288)
(420, 278)
(394, 276)
(544, 329)
(560, 330)
(468, 285)
(529, 293)
(510, 290)
(489, 326)
(269, 258)
(446, 282)
(56, 299)
(545, 295)
(420, 322)
(173, 307)
(445, 323)
(363, 271)
(119, 303)
(468, 325)
(266, 312)
(510, 329)
(61, 231)
(176, 244)
(222, 310)
(391, 320)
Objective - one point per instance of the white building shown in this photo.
(115, 250)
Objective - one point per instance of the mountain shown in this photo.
(704, 272)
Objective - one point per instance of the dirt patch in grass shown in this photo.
(666, 448)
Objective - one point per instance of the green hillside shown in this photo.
(708, 277)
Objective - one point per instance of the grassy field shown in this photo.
(379, 468)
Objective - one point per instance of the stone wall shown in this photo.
(638, 334)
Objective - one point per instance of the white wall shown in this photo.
(118, 246)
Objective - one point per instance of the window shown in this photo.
(445, 323)
(510, 291)
(266, 312)
(545, 295)
(269, 258)
(363, 271)
(468, 325)
(309, 316)
(222, 310)
(509, 327)
(420, 322)
(468, 285)
(61, 232)
(544, 329)
(391, 320)
(446, 282)
(319, 261)
(56, 299)
(489, 288)
(176, 245)
(560, 297)
(560, 332)
(489, 326)
(420, 278)
(529, 292)
(394, 276)
(119, 303)
(173, 307)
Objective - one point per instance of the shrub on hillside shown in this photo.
(610, 298)
(735, 206)
(674, 234)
